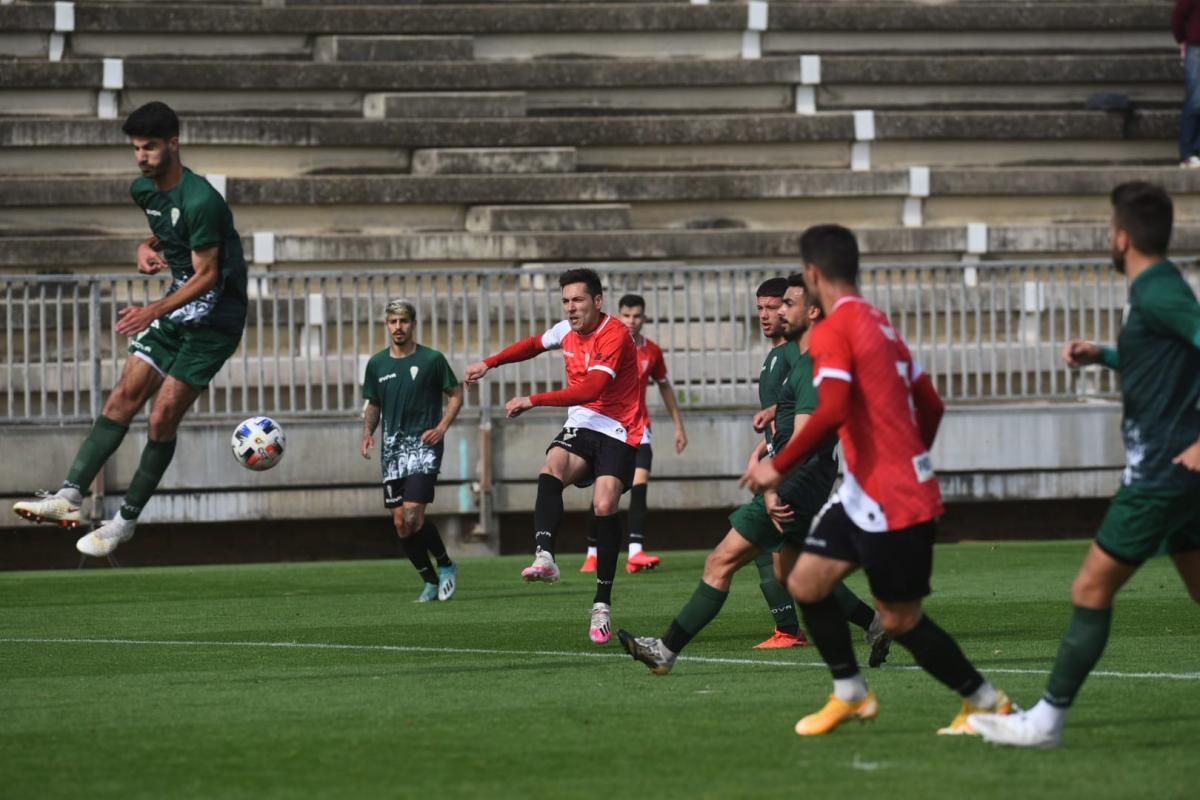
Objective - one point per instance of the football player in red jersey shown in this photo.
(598, 444)
(652, 368)
(886, 412)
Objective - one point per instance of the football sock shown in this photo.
(608, 547)
(591, 534)
(434, 544)
(637, 517)
(853, 607)
(940, 656)
(414, 548)
(1078, 653)
(101, 442)
(700, 610)
(984, 697)
(547, 512)
(156, 457)
(851, 689)
(828, 630)
(1046, 716)
(783, 608)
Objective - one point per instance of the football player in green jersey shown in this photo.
(1157, 509)
(404, 386)
(178, 343)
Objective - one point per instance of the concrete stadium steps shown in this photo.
(62, 251)
(577, 87)
(752, 200)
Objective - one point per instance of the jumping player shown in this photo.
(1157, 508)
(886, 412)
(178, 343)
(598, 445)
(404, 385)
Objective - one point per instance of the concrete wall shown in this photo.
(984, 453)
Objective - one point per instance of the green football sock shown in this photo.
(853, 607)
(1081, 648)
(102, 441)
(783, 608)
(702, 609)
(156, 457)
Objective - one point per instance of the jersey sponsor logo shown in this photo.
(923, 466)
(413, 372)
(888, 333)
(568, 434)
(387, 377)
(174, 216)
(151, 212)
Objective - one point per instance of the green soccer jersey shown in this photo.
(771, 377)
(193, 216)
(798, 396)
(1158, 354)
(409, 392)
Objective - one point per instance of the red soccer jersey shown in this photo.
(651, 369)
(889, 481)
(609, 348)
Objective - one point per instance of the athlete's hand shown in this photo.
(762, 477)
(764, 418)
(368, 442)
(434, 435)
(680, 441)
(149, 262)
(517, 406)
(1081, 354)
(135, 319)
(1189, 459)
(781, 513)
(475, 372)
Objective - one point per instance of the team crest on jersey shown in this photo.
(413, 372)
(174, 216)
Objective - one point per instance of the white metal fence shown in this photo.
(986, 332)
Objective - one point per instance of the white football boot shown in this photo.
(542, 569)
(105, 539)
(55, 509)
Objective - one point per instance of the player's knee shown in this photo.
(414, 519)
(899, 621)
(804, 591)
(401, 523)
(605, 506)
(1088, 591)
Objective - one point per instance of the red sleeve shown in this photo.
(606, 355)
(831, 353)
(658, 367)
(829, 416)
(929, 409)
(520, 351)
(580, 394)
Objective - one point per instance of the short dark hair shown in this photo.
(155, 120)
(833, 250)
(1144, 211)
(797, 279)
(632, 301)
(585, 276)
(772, 287)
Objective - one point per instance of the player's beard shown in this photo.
(1118, 260)
(164, 163)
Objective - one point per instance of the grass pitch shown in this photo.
(325, 680)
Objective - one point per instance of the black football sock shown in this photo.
(853, 607)
(591, 534)
(637, 514)
(547, 512)
(434, 544)
(608, 547)
(828, 630)
(783, 608)
(414, 548)
(700, 610)
(940, 656)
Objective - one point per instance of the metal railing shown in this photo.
(985, 332)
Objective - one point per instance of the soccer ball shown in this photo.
(258, 443)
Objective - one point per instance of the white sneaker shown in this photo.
(600, 630)
(1191, 162)
(542, 569)
(106, 538)
(49, 508)
(1018, 729)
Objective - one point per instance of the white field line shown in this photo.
(399, 648)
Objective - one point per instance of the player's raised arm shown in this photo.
(930, 408)
(135, 319)
(1084, 354)
(522, 350)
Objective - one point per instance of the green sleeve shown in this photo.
(1110, 358)
(370, 387)
(806, 393)
(449, 380)
(1175, 311)
(204, 220)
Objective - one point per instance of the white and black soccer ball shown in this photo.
(258, 443)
